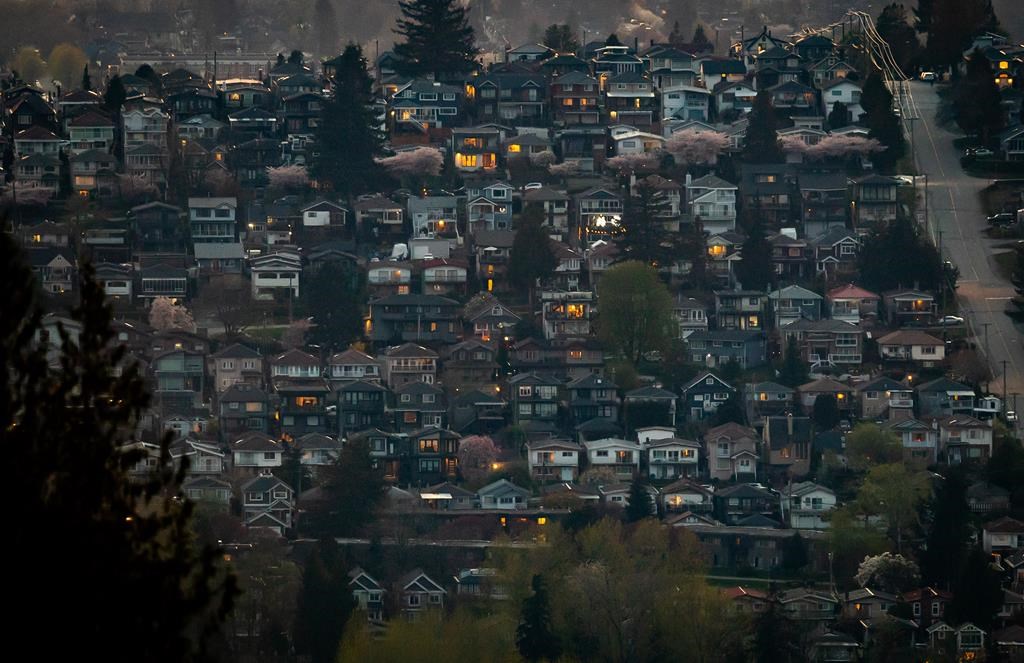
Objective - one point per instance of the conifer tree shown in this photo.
(135, 585)
(755, 270)
(86, 79)
(639, 506)
(438, 39)
(324, 603)
(978, 101)
(348, 138)
(700, 42)
(794, 369)
(531, 256)
(642, 235)
(761, 142)
(535, 639)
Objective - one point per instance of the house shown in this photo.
(769, 189)
(385, 278)
(810, 392)
(236, 364)
(671, 458)
(352, 365)
(433, 216)
(302, 404)
(983, 497)
(794, 303)
(691, 315)
(470, 364)
(420, 318)
(566, 314)
(212, 219)
(732, 98)
(300, 112)
(416, 592)
(593, 397)
(243, 407)
(833, 646)
(409, 363)
(421, 104)
(788, 442)
(557, 460)
(805, 503)
(845, 91)
(718, 347)
(55, 269)
(649, 406)
(489, 207)
(418, 405)
(737, 503)
(868, 604)
(702, 396)
(812, 610)
(256, 453)
(621, 456)
(944, 397)
(747, 601)
(180, 376)
(911, 346)
(276, 275)
(253, 122)
(90, 130)
(739, 310)
(1003, 535)
(476, 413)
(162, 280)
(964, 439)
(835, 252)
(769, 398)
(927, 605)
(37, 140)
(826, 342)
(849, 303)
(448, 497)
(686, 496)
(711, 201)
(367, 593)
(627, 140)
(1011, 144)
(39, 171)
(598, 212)
(909, 307)
(874, 201)
(824, 202)
(380, 216)
(738, 547)
(555, 205)
(267, 503)
(148, 163)
(316, 449)
(732, 452)
(584, 146)
(884, 398)
(503, 494)
(208, 490)
(575, 99)
(360, 405)
(534, 398)
(790, 255)
(157, 228)
(443, 276)
(475, 149)
(919, 440)
(527, 145)
(324, 214)
(145, 126)
(433, 455)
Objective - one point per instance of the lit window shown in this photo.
(515, 148)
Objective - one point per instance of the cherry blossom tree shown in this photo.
(543, 159)
(476, 454)
(288, 177)
(631, 163)
(165, 315)
(566, 168)
(692, 146)
(28, 194)
(295, 335)
(793, 145)
(888, 572)
(418, 162)
(134, 188)
(842, 146)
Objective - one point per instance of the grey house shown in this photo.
(714, 348)
(793, 303)
(943, 397)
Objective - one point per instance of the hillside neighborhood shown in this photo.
(540, 289)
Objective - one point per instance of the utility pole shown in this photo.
(1004, 362)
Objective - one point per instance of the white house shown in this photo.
(805, 504)
(712, 201)
(685, 102)
(912, 345)
(845, 91)
(256, 453)
(554, 459)
(324, 214)
(620, 456)
(672, 458)
(627, 140)
(275, 272)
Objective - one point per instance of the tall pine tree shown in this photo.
(348, 138)
(894, 27)
(642, 234)
(954, 23)
(755, 269)
(761, 142)
(438, 39)
(531, 256)
(324, 603)
(978, 101)
(535, 639)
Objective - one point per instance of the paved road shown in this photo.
(955, 209)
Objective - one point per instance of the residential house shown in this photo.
(769, 398)
(243, 407)
(584, 146)
(599, 212)
(671, 458)
(927, 605)
(157, 228)
(367, 593)
(868, 604)
(208, 490)
(490, 319)
(769, 189)
(788, 442)
(418, 405)
(790, 256)
(180, 376)
(964, 439)
(732, 98)
(741, 502)
(649, 406)
(256, 453)
(984, 498)
(316, 449)
(443, 276)
(55, 269)
(276, 275)
(267, 503)
(1011, 143)
(300, 113)
(824, 202)
(433, 216)
(389, 278)
(475, 149)
(711, 201)
(324, 214)
(691, 315)
(1003, 535)
(163, 281)
(826, 342)
(433, 455)
(593, 397)
(470, 364)
(687, 496)
(793, 303)
(380, 216)
(503, 494)
(567, 314)
(90, 130)
(620, 456)
(844, 91)
(575, 99)
(739, 310)
(555, 205)
(253, 122)
(630, 98)
(360, 405)
(718, 347)
(352, 365)
(416, 592)
(943, 397)
(732, 452)
(212, 219)
(919, 440)
(851, 304)
(421, 104)
(811, 610)
(703, 395)
(874, 201)
(37, 140)
(145, 126)
(527, 146)
(805, 504)
(236, 364)
(421, 318)
(408, 363)
(835, 253)
(909, 307)
(476, 413)
(535, 398)
(844, 395)
(557, 460)
(885, 398)
(38, 171)
(489, 208)
(911, 347)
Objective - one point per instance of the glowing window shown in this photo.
(515, 148)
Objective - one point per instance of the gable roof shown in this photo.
(850, 291)
(701, 378)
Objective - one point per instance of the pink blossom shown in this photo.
(421, 161)
(288, 177)
(691, 146)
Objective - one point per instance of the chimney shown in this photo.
(689, 178)
(789, 423)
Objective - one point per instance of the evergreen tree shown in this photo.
(636, 311)
(883, 124)
(86, 79)
(894, 27)
(113, 98)
(949, 532)
(348, 139)
(794, 553)
(977, 594)
(875, 96)
(324, 603)
(700, 42)
(676, 38)
(954, 23)
(561, 38)
(755, 270)
(761, 142)
(773, 634)
(70, 400)
(1016, 309)
(334, 296)
(642, 234)
(296, 57)
(612, 40)
(147, 72)
(352, 489)
(532, 256)
(839, 116)
(535, 639)
(978, 101)
(923, 16)
(639, 506)
(438, 39)
(897, 255)
(1006, 468)
(826, 412)
(794, 369)
(730, 411)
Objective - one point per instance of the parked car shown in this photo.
(950, 320)
(928, 76)
(532, 185)
(979, 152)
(1003, 218)
(1011, 416)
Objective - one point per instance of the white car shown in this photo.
(1011, 416)
(950, 320)
(533, 185)
(928, 76)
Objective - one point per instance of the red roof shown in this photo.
(927, 593)
(91, 119)
(850, 291)
(1005, 524)
(36, 133)
(742, 592)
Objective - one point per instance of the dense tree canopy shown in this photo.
(755, 270)
(334, 296)
(897, 255)
(761, 142)
(977, 103)
(636, 310)
(532, 256)
(438, 39)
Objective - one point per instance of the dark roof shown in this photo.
(237, 351)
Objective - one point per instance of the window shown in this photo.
(429, 446)
(406, 398)
(414, 599)
(270, 455)
(936, 609)
(602, 453)
(917, 609)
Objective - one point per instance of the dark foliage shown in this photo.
(535, 639)
(438, 39)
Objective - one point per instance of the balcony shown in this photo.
(844, 358)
